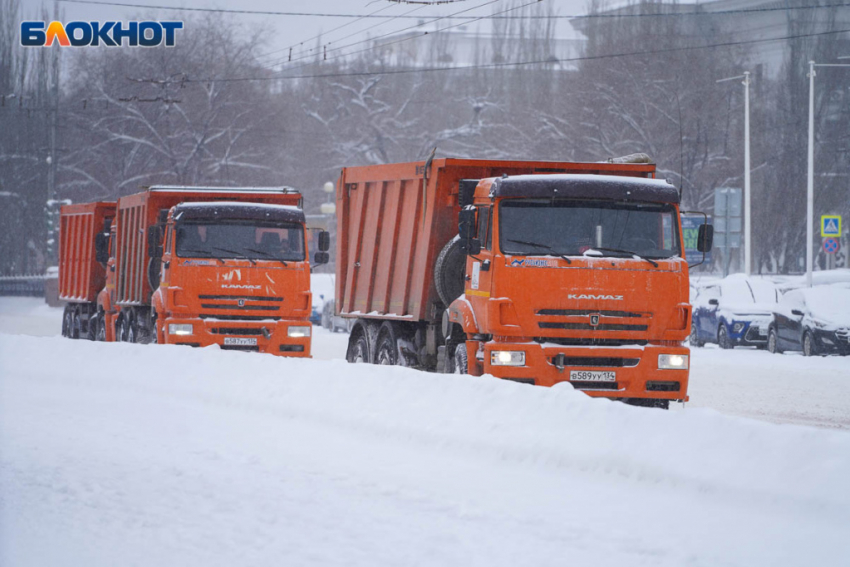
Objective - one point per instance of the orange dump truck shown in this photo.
(538, 272)
(81, 276)
(207, 265)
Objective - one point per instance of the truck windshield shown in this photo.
(240, 240)
(539, 227)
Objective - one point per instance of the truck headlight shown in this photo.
(672, 362)
(298, 332)
(179, 329)
(507, 358)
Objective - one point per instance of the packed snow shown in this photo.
(120, 454)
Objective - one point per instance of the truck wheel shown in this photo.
(100, 327)
(66, 321)
(91, 328)
(450, 271)
(695, 340)
(76, 323)
(358, 347)
(460, 362)
(387, 352)
(723, 337)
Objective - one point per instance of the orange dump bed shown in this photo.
(391, 228)
(81, 277)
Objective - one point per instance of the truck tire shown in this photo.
(460, 360)
(387, 353)
(91, 326)
(66, 321)
(100, 327)
(450, 272)
(358, 346)
(76, 323)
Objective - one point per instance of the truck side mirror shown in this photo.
(101, 247)
(154, 239)
(321, 258)
(324, 241)
(705, 238)
(469, 244)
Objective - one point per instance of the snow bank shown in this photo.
(218, 458)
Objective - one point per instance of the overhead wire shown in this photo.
(529, 17)
(517, 63)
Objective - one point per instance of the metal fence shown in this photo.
(23, 285)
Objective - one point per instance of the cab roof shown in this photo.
(585, 186)
(236, 210)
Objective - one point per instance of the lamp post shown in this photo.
(810, 177)
(748, 247)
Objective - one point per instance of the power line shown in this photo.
(518, 63)
(396, 32)
(380, 23)
(528, 17)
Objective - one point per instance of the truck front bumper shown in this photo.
(250, 336)
(636, 372)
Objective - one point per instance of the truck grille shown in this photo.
(238, 297)
(238, 317)
(235, 331)
(561, 341)
(596, 361)
(584, 319)
(595, 385)
(589, 327)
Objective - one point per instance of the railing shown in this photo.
(32, 285)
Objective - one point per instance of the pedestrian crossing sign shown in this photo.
(830, 225)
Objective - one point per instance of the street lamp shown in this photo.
(748, 247)
(810, 182)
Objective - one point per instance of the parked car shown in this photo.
(735, 311)
(813, 320)
(334, 322)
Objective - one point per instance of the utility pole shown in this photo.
(810, 184)
(748, 242)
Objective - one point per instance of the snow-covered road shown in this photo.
(746, 382)
(111, 456)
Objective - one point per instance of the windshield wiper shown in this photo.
(540, 245)
(209, 255)
(620, 251)
(267, 255)
(237, 254)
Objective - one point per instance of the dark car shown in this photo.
(736, 311)
(813, 320)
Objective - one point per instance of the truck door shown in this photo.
(478, 269)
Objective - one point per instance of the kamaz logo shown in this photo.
(239, 286)
(590, 296)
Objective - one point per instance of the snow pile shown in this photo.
(164, 455)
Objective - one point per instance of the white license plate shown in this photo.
(240, 341)
(593, 376)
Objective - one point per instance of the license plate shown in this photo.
(593, 376)
(240, 341)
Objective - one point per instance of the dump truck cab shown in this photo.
(236, 274)
(574, 278)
